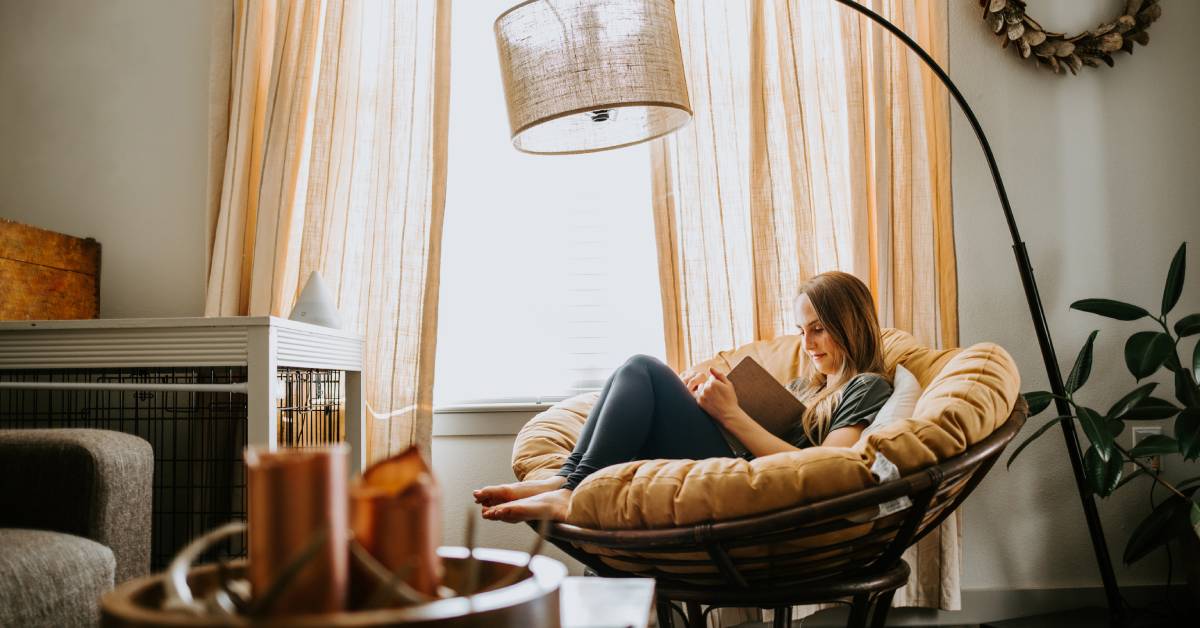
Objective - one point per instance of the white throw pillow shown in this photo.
(905, 392)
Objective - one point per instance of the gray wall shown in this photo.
(1101, 170)
(103, 134)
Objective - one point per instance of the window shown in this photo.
(549, 271)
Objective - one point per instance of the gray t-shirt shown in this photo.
(861, 400)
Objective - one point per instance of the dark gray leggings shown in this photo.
(644, 412)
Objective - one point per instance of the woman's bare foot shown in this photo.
(550, 505)
(504, 493)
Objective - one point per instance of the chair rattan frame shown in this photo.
(866, 568)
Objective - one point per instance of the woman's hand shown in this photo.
(717, 397)
(693, 378)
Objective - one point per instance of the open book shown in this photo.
(762, 397)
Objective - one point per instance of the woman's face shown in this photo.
(818, 344)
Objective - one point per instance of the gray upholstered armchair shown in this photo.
(74, 521)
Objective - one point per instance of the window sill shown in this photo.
(484, 419)
(473, 408)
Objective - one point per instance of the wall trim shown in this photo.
(493, 420)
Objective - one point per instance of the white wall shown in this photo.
(1101, 170)
(103, 134)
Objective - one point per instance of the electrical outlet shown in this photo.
(1141, 432)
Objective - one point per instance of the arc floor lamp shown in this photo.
(596, 104)
(1034, 300)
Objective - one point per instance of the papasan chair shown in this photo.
(814, 525)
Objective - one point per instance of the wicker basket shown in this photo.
(532, 601)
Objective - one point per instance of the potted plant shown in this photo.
(1177, 516)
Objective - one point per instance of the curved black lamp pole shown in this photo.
(1115, 608)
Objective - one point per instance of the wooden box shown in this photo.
(47, 275)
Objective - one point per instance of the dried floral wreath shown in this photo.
(1008, 19)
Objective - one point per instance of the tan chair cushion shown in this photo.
(969, 398)
(543, 444)
(968, 393)
(667, 493)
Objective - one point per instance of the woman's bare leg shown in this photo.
(502, 493)
(550, 505)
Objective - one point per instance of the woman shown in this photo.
(646, 411)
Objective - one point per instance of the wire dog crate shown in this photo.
(310, 408)
(197, 436)
(197, 418)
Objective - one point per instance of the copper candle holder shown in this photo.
(298, 531)
(395, 515)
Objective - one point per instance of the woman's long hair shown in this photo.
(847, 312)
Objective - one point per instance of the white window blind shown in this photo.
(549, 272)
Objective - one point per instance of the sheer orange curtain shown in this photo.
(328, 139)
(819, 142)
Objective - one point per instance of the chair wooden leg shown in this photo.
(882, 605)
(662, 608)
(783, 617)
(695, 617)
(860, 611)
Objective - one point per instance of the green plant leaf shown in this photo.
(1174, 286)
(1187, 432)
(1097, 434)
(1083, 365)
(1155, 445)
(1111, 309)
(1102, 475)
(1153, 531)
(1196, 361)
(1151, 409)
(1145, 351)
(1038, 401)
(1127, 402)
(1116, 427)
(1185, 388)
(1041, 430)
(1188, 325)
(1137, 473)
